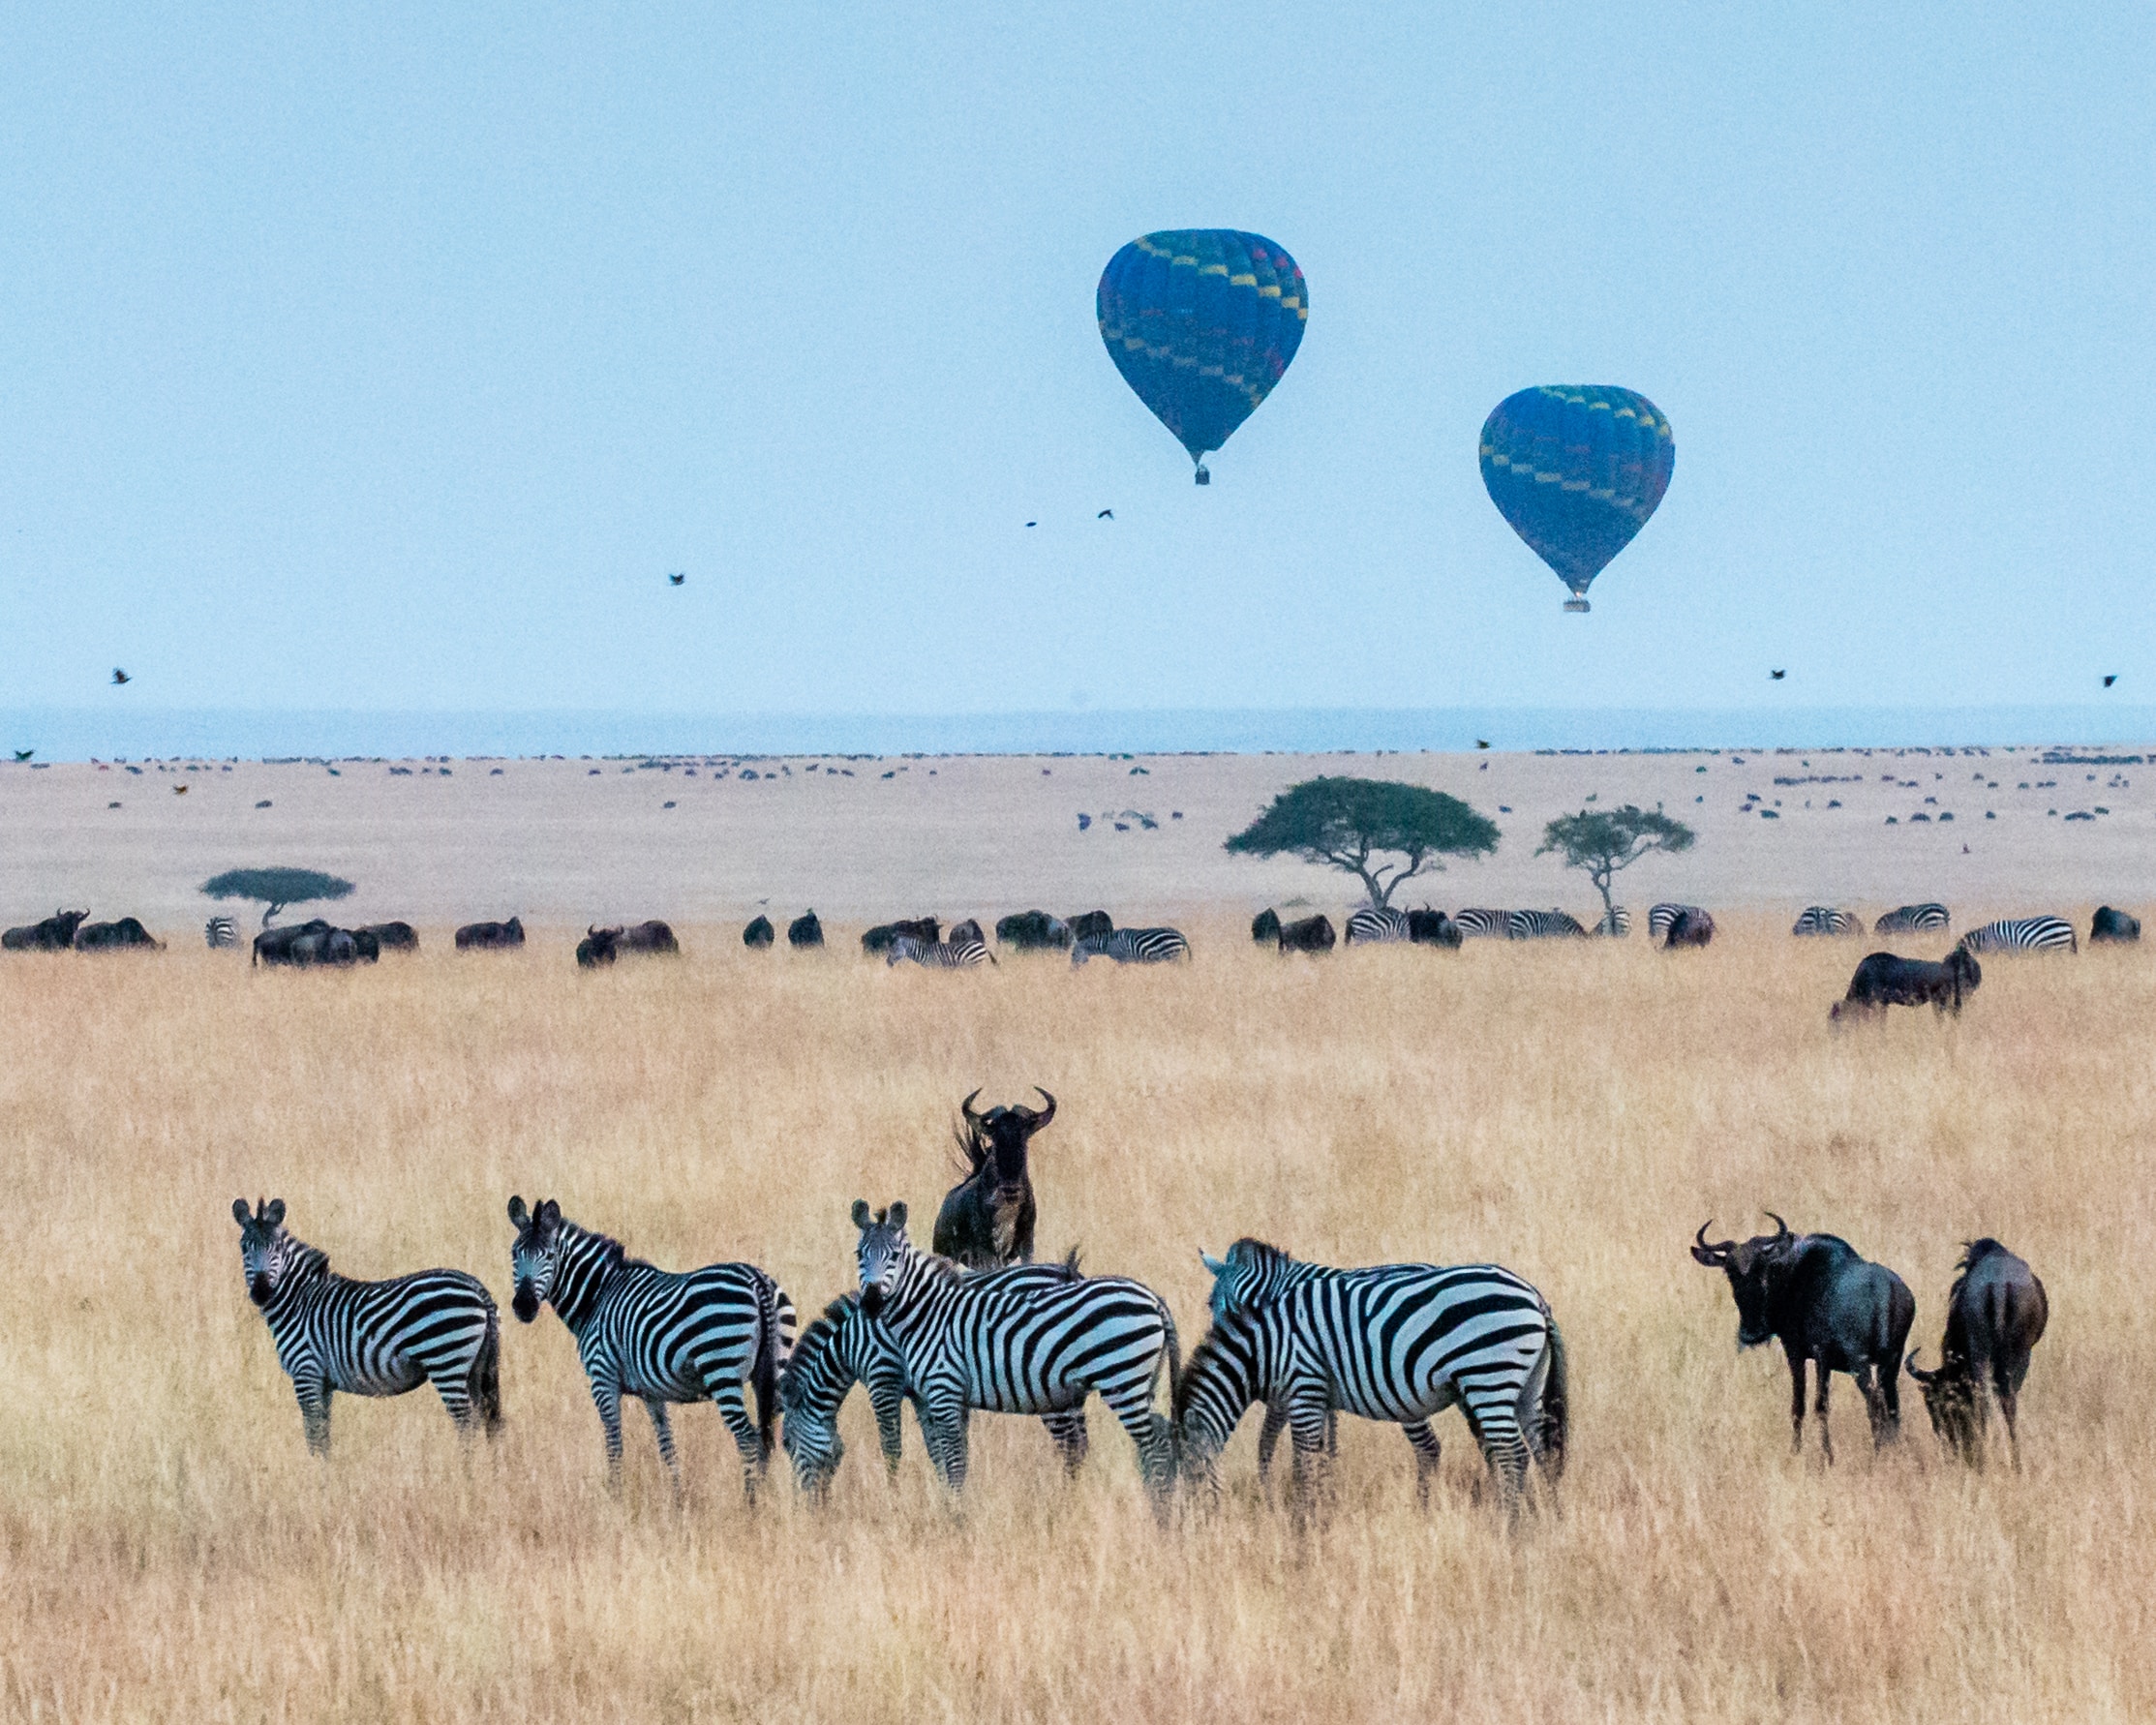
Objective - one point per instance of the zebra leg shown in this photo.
(606, 1396)
(1068, 1429)
(314, 1410)
(1505, 1452)
(1424, 1442)
(1268, 1439)
(1308, 1417)
(944, 1420)
(1132, 1403)
(733, 1409)
(662, 1428)
(891, 1431)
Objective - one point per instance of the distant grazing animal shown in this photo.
(1427, 927)
(987, 1220)
(491, 935)
(967, 930)
(1135, 945)
(599, 946)
(1478, 923)
(1549, 925)
(948, 954)
(879, 938)
(1912, 919)
(1661, 916)
(221, 932)
(968, 1344)
(392, 937)
(1822, 919)
(2022, 934)
(114, 937)
(306, 943)
(1823, 1303)
(652, 937)
(759, 934)
(1090, 926)
(1691, 926)
(1614, 923)
(660, 1336)
(1884, 980)
(1033, 932)
(370, 1338)
(1373, 924)
(2111, 925)
(805, 932)
(55, 934)
(1995, 1314)
(1309, 934)
(365, 945)
(1265, 927)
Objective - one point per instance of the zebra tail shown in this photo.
(486, 1373)
(1553, 1417)
(1174, 1350)
(774, 1347)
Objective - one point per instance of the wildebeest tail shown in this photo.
(775, 1347)
(486, 1373)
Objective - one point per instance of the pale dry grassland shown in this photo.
(169, 1549)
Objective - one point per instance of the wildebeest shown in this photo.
(55, 934)
(1823, 1303)
(598, 947)
(965, 932)
(1312, 934)
(365, 944)
(114, 937)
(759, 934)
(987, 1219)
(1883, 979)
(1265, 927)
(391, 937)
(1691, 926)
(2111, 925)
(805, 932)
(1090, 926)
(1033, 932)
(878, 939)
(1427, 927)
(652, 936)
(310, 943)
(489, 935)
(1994, 1316)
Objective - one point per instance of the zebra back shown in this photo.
(1486, 923)
(221, 932)
(1133, 946)
(1374, 923)
(948, 954)
(2022, 934)
(1824, 918)
(1616, 922)
(1542, 925)
(1660, 919)
(1911, 919)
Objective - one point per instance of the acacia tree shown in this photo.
(276, 887)
(1606, 840)
(1354, 824)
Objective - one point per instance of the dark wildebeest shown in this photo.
(391, 937)
(1313, 934)
(1265, 927)
(970, 929)
(805, 932)
(598, 947)
(1883, 979)
(114, 937)
(987, 1219)
(1033, 932)
(2111, 925)
(652, 936)
(490, 935)
(366, 944)
(759, 934)
(1090, 926)
(1691, 926)
(878, 939)
(55, 934)
(1427, 927)
(1823, 1303)
(310, 943)
(1994, 1315)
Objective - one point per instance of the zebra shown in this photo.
(370, 1338)
(654, 1334)
(846, 1346)
(1616, 922)
(978, 1342)
(1255, 1274)
(1661, 916)
(1822, 919)
(1377, 923)
(1397, 1343)
(221, 932)
(939, 954)
(1132, 946)
(1541, 925)
(1912, 919)
(1494, 923)
(2021, 934)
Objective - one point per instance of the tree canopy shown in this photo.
(276, 887)
(1355, 824)
(1602, 841)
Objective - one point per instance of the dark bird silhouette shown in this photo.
(1778, 676)
(179, 790)
(23, 754)
(119, 676)
(1481, 742)
(2109, 680)
(1032, 523)
(1105, 515)
(677, 580)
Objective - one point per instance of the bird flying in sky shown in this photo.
(119, 676)
(1481, 742)
(1778, 676)
(179, 790)
(2109, 680)
(677, 580)
(23, 754)
(1032, 523)
(1105, 515)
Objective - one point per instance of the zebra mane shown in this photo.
(1205, 1359)
(1263, 1251)
(615, 1255)
(306, 1260)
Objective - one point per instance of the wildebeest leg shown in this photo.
(1425, 1444)
(1868, 1377)
(733, 1409)
(1819, 1407)
(606, 1396)
(1796, 1398)
(1889, 1396)
(662, 1428)
(2009, 1398)
(1068, 1429)
(314, 1409)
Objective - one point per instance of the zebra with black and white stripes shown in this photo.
(659, 1335)
(980, 1343)
(939, 954)
(1133, 946)
(1488, 924)
(1615, 923)
(1912, 919)
(1824, 918)
(221, 932)
(2022, 934)
(1661, 916)
(1373, 924)
(1549, 925)
(1398, 1342)
(370, 1338)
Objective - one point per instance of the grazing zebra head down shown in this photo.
(838, 1351)
(1824, 918)
(960, 953)
(1546, 924)
(1661, 916)
(1912, 919)
(266, 1252)
(1370, 925)
(1254, 1273)
(2022, 934)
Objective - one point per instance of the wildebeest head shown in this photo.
(996, 1141)
(534, 1257)
(265, 1249)
(598, 947)
(1950, 1399)
(881, 1253)
(1751, 1266)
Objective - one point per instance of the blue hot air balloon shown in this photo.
(1577, 471)
(1201, 323)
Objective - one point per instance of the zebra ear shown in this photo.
(897, 1217)
(241, 1214)
(274, 1215)
(860, 1213)
(518, 1214)
(1218, 1266)
(548, 1213)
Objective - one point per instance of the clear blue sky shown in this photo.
(359, 358)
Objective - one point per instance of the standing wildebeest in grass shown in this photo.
(598, 947)
(759, 934)
(878, 941)
(1884, 980)
(1691, 926)
(489, 936)
(1312, 934)
(1033, 932)
(55, 934)
(1090, 926)
(310, 943)
(1427, 927)
(805, 932)
(391, 937)
(115, 937)
(1994, 1315)
(1265, 927)
(2111, 925)
(967, 933)
(987, 1219)
(653, 937)
(1823, 1303)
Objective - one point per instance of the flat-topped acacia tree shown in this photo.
(276, 887)
(1604, 841)
(1379, 831)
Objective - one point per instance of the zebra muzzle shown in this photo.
(871, 1299)
(257, 1289)
(525, 1303)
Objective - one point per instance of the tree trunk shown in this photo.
(270, 911)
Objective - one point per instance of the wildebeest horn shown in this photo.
(1917, 1371)
(1710, 1253)
(1779, 1223)
(1037, 1121)
(966, 1108)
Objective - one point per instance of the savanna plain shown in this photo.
(170, 1550)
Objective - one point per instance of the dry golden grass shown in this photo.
(169, 1549)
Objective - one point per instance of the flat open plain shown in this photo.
(168, 1550)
